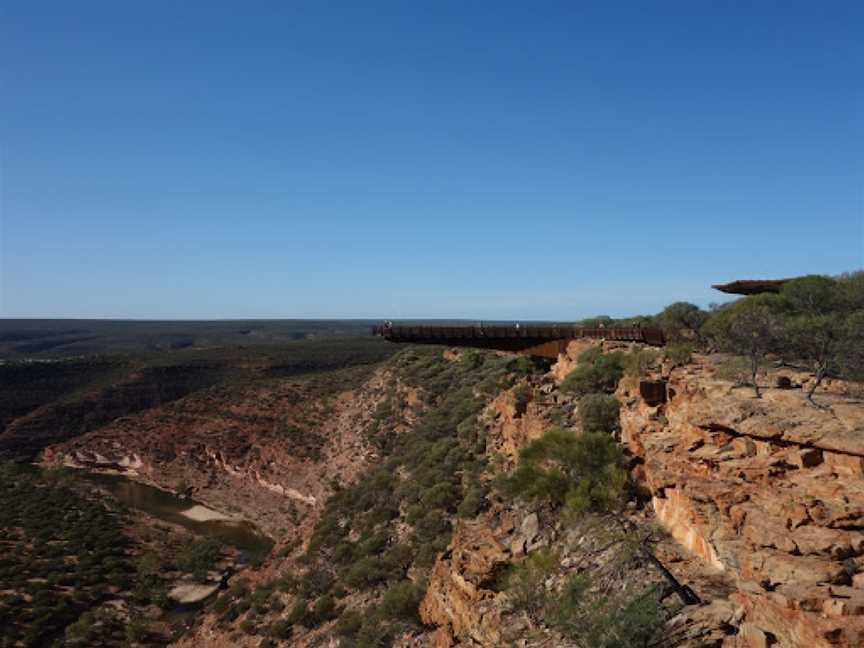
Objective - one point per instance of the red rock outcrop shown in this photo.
(764, 499)
(769, 491)
(459, 598)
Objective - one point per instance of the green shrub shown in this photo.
(599, 413)
(616, 619)
(398, 557)
(425, 554)
(314, 583)
(431, 526)
(639, 362)
(281, 629)
(472, 504)
(374, 632)
(322, 611)
(589, 356)
(298, 612)
(683, 321)
(365, 573)
(441, 496)
(349, 623)
(583, 473)
(288, 582)
(525, 581)
(401, 601)
(199, 556)
(735, 369)
(679, 354)
(601, 375)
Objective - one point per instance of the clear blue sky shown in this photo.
(414, 159)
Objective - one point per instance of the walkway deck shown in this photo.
(545, 341)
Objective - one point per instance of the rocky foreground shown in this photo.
(764, 499)
(767, 492)
(761, 500)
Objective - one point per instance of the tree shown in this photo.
(851, 289)
(683, 321)
(818, 340)
(811, 295)
(749, 327)
(851, 353)
(820, 328)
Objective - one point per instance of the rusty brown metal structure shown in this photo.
(545, 341)
(751, 286)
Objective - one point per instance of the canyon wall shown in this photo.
(763, 500)
(768, 491)
(270, 453)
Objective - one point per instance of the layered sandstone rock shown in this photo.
(515, 426)
(460, 600)
(764, 500)
(768, 491)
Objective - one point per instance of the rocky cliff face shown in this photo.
(769, 492)
(762, 500)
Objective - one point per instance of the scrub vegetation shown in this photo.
(381, 535)
(581, 478)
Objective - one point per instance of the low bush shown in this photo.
(736, 369)
(679, 354)
(431, 526)
(623, 618)
(590, 355)
(298, 612)
(601, 374)
(472, 504)
(280, 629)
(323, 610)
(366, 573)
(525, 581)
(402, 600)
(599, 413)
(349, 623)
(199, 556)
(583, 473)
(639, 362)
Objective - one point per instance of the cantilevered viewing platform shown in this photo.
(545, 341)
(751, 286)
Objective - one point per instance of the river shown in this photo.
(251, 544)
